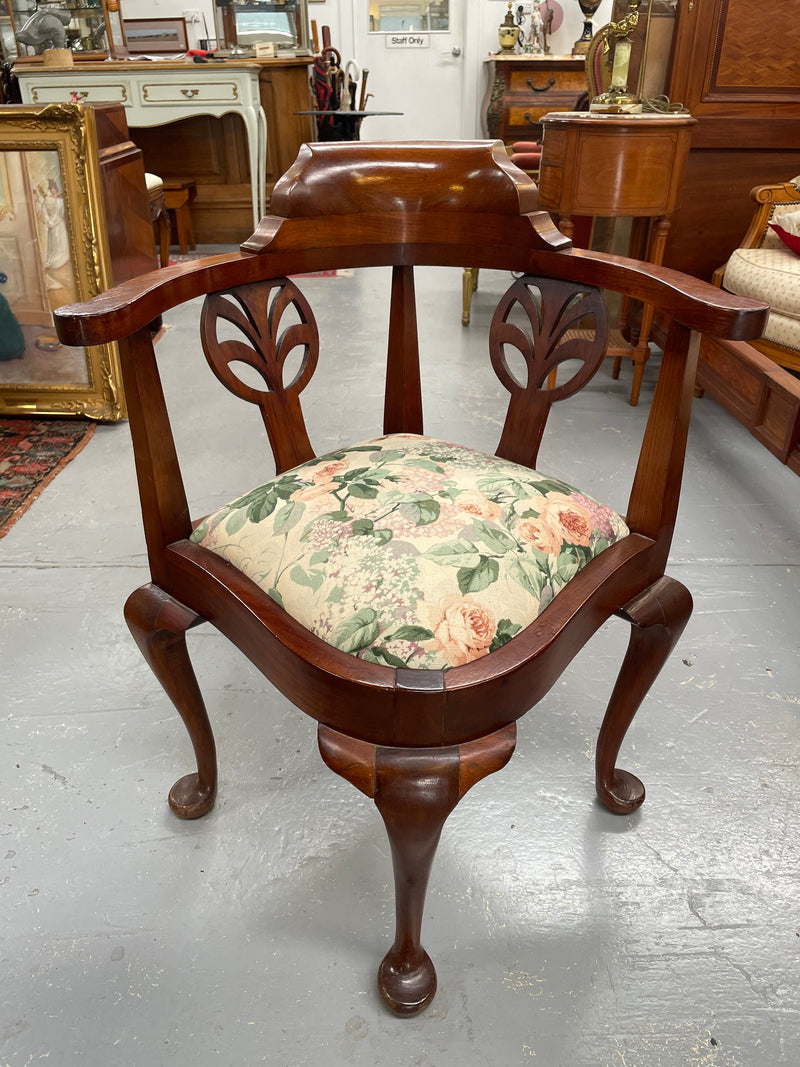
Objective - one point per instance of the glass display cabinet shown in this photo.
(90, 29)
(242, 26)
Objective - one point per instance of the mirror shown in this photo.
(407, 16)
(242, 25)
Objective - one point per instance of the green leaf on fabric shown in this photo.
(526, 573)
(383, 537)
(391, 455)
(567, 565)
(312, 579)
(288, 516)
(454, 554)
(502, 484)
(335, 595)
(320, 556)
(236, 521)
(356, 474)
(506, 629)
(363, 526)
(201, 531)
(362, 490)
(287, 485)
(275, 595)
(494, 539)
(383, 657)
(357, 632)
(424, 464)
(421, 512)
(474, 579)
(408, 632)
(553, 485)
(258, 503)
(263, 509)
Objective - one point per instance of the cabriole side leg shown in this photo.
(658, 617)
(414, 790)
(159, 624)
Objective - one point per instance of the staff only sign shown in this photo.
(408, 40)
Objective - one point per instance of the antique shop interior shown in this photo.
(569, 926)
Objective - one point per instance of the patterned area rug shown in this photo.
(32, 452)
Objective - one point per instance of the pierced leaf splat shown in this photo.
(560, 322)
(265, 316)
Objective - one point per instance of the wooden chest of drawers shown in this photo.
(523, 88)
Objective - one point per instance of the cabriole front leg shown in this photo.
(414, 790)
(159, 624)
(657, 617)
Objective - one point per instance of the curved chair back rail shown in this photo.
(415, 740)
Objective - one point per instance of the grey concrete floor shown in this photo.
(563, 936)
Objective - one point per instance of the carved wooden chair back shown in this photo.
(416, 672)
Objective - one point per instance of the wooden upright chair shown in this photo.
(415, 597)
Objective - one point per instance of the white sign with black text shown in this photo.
(408, 40)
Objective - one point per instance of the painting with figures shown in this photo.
(53, 251)
(36, 271)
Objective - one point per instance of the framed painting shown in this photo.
(155, 35)
(53, 251)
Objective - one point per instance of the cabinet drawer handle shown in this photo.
(541, 89)
(76, 95)
(190, 92)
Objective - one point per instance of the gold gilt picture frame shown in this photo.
(53, 251)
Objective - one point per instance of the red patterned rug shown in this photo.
(32, 452)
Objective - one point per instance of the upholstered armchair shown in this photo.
(766, 266)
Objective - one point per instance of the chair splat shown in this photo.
(265, 338)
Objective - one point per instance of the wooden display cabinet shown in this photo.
(94, 30)
(523, 88)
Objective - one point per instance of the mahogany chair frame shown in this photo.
(415, 741)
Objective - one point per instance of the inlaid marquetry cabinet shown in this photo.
(735, 66)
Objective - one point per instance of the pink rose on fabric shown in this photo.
(572, 520)
(601, 515)
(541, 535)
(463, 629)
(330, 470)
(475, 503)
(311, 492)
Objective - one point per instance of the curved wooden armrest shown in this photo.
(128, 307)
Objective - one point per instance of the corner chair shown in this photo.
(418, 673)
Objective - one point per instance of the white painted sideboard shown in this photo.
(155, 93)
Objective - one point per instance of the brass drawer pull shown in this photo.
(543, 89)
(190, 92)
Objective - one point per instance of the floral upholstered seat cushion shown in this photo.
(411, 552)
